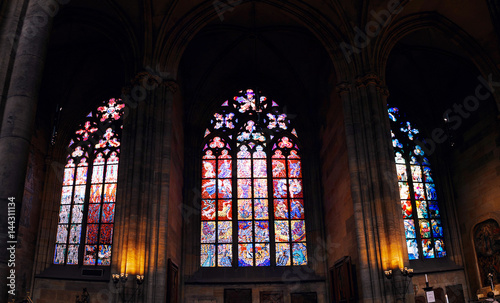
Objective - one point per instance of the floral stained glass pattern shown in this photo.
(85, 230)
(420, 209)
(257, 176)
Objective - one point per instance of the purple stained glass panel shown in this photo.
(280, 209)
(245, 231)
(97, 174)
(110, 193)
(225, 231)
(283, 254)
(90, 255)
(259, 168)
(245, 255)
(92, 232)
(299, 253)
(106, 234)
(262, 255)
(261, 209)
(439, 248)
(207, 232)
(244, 168)
(208, 189)
(108, 213)
(207, 255)
(298, 230)
(431, 191)
(281, 231)
(93, 213)
(433, 209)
(225, 255)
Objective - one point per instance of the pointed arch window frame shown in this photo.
(250, 129)
(88, 190)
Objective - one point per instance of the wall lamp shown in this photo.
(120, 280)
(399, 286)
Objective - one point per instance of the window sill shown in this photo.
(76, 272)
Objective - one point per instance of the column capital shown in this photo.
(368, 79)
(343, 87)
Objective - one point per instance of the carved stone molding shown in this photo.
(343, 87)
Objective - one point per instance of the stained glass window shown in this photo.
(252, 202)
(88, 195)
(417, 191)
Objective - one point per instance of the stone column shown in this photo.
(19, 115)
(374, 189)
(144, 187)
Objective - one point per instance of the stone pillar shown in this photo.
(144, 187)
(380, 237)
(19, 115)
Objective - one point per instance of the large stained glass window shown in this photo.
(88, 196)
(417, 190)
(252, 202)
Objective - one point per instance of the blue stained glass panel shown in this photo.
(245, 255)
(262, 255)
(297, 209)
(283, 254)
(433, 209)
(412, 247)
(207, 232)
(437, 229)
(207, 255)
(260, 188)
(294, 169)
(401, 171)
(225, 255)
(225, 169)
(280, 188)
(422, 209)
(299, 253)
(225, 188)
(410, 229)
(427, 248)
(431, 191)
(428, 174)
(259, 168)
(439, 248)
(245, 231)
(208, 189)
(244, 188)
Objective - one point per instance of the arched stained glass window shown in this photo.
(86, 213)
(417, 190)
(251, 187)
